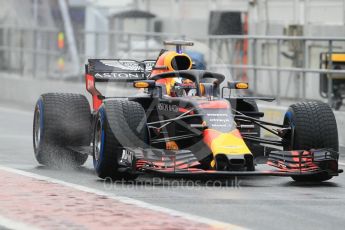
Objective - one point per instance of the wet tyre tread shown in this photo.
(122, 118)
(67, 122)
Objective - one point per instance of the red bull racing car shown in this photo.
(180, 123)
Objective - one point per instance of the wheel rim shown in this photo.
(37, 129)
(98, 140)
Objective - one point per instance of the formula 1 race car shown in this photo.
(179, 123)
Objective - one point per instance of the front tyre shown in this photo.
(314, 127)
(119, 124)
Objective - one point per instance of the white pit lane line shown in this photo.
(214, 224)
(14, 224)
(341, 163)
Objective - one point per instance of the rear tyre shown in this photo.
(314, 127)
(119, 124)
(62, 121)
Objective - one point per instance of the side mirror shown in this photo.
(145, 84)
(148, 84)
(237, 85)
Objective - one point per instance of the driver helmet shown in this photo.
(184, 87)
(189, 87)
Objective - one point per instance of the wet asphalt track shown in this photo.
(256, 203)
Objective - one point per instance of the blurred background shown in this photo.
(290, 49)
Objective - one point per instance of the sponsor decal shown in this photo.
(119, 76)
(219, 120)
(217, 114)
(123, 65)
(149, 65)
(129, 65)
(219, 125)
(167, 107)
(122, 69)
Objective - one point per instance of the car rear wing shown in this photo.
(119, 69)
(115, 70)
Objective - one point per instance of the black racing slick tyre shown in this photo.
(119, 124)
(314, 127)
(62, 123)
